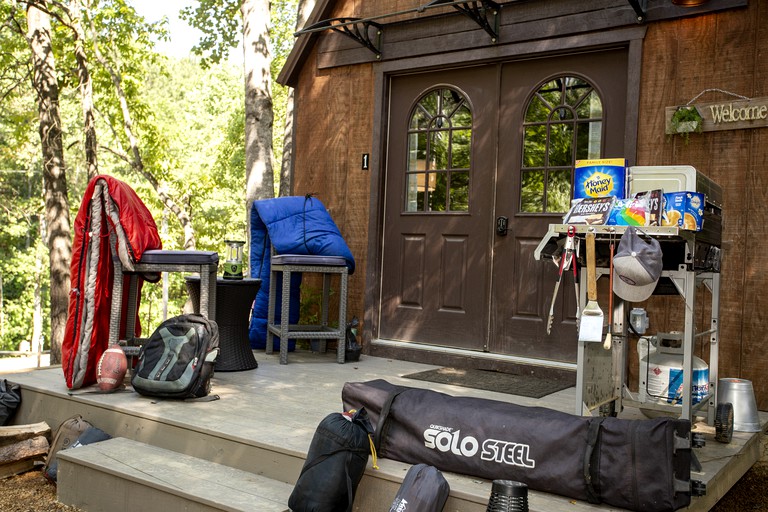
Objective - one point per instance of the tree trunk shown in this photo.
(36, 341)
(304, 9)
(86, 90)
(259, 116)
(54, 172)
(2, 311)
(286, 171)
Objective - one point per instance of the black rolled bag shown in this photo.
(642, 465)
(424, 489)
(335, 464)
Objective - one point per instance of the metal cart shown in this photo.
(691, 260)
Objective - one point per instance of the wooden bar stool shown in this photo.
(204, 263)
(325, 265)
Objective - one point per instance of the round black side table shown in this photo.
(234, 298)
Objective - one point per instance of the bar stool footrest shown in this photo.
(308, 332)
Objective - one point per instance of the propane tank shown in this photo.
(661, 371)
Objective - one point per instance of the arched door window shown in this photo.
(563, 123)
(439, 143)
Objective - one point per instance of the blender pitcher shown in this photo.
(233, 266)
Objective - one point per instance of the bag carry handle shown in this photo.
(383, 416)
(591, 459)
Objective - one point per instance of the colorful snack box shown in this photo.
(629, 212)
(606, 177)
(684, 210)
(655, 200)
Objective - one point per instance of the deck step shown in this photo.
(122, 475)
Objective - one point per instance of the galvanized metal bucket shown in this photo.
(740, 393)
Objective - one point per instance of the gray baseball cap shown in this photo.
(637, 266)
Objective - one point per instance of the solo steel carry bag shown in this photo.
(641, 465)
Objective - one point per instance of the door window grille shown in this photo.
(439, 153)
(563, 123)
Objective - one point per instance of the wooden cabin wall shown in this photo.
(332, 133)
(727, 51)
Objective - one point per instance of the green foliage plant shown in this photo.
(685, 121)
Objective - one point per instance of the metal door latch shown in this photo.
(502, 224)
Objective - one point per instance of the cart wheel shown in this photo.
(724, 422)
(608, 410)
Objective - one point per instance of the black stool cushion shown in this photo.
(160, 257)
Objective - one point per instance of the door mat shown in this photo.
(491, 380)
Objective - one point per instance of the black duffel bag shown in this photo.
(641, 465)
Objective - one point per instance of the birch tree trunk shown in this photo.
(36, 341)
(305, 7)
(286, 166)
(86, 90)
(54, 172)
(259, 118)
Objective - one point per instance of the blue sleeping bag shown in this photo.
(293, 225)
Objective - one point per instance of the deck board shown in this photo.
(265, 419)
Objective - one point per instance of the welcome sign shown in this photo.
(728, 115)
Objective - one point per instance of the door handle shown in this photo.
(502, 225)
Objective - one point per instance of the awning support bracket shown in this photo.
(641, 9)
(485, 13)
(354, 28)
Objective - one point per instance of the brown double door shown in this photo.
(449, 278)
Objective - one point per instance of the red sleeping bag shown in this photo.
(109, 206)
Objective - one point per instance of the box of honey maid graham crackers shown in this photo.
(605, 177)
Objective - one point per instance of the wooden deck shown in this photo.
(265, 419)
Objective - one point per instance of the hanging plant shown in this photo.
(686, 120)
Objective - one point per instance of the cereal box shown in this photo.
(600, 178)
(684, 210)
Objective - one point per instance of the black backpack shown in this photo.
(10, 398)
(335, 464)
(177, 361)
